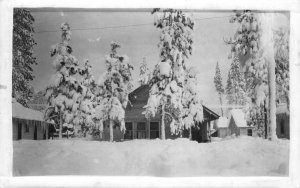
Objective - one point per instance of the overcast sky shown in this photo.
(136, 42)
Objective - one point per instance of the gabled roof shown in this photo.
(146, 89)
(19, 111)
(239, 117)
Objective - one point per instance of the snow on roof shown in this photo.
(19, 111)
(222, 122)
(239, 117)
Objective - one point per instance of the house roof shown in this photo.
(19, 111)
(222, 122)
(239, 117)
(137, 90)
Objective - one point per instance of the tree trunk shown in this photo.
(60, 126)
(190, 136)
(221, 102)
(267, 22)
(163, 133)
(266, 119)
(111, 130)
(272, 97)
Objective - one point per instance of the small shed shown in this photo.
(238, 125)
(221, 127)
(28, 123)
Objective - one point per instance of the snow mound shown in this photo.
(241, 156)
(239, 117)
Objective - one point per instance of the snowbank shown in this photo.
(243, 156)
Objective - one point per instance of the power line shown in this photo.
(123, 26)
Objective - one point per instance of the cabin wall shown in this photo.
(283, 126)
(223, 132)
(42, 127)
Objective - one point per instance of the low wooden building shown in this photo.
(221, 127)
(238, 125)
(139, 127)
(28, 123)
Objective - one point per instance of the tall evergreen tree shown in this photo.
(144, 73)
(23, 59)
(236, 85)
(115, 87)
(64, 92)
(86, 113)
(175, 47)
(219, 85)
(254, 41)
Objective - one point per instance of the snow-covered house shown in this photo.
(28, 123)
(139, 127)
(221, 127)
(238, 125)
(282, 121)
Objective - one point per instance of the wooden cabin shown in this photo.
(139, 127)
(221, 127)
(28, 123)
(238, 125)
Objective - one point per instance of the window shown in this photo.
(154, 130)
(128, 133)
(141, 130)
(249, 132)
(282, 126)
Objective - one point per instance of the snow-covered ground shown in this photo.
(243, 156)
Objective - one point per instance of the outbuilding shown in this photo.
(238, 125)
(28, 123)
(221, 127)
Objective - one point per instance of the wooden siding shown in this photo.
(283, 126)
(41, 128)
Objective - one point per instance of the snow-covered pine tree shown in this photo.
(145, 74)
(88, 104)
(115, 87)
(23, 59)
(236, 85)
(254, 40)
(64, 92)
(281, 42)
(168, 76)
(191, 101)
(219, 85)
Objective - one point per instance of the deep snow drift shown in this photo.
(243, 156)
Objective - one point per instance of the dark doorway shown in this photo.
(249, 132)
(19, 131)
(44, 135)
(154, 130)
(35, 133)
